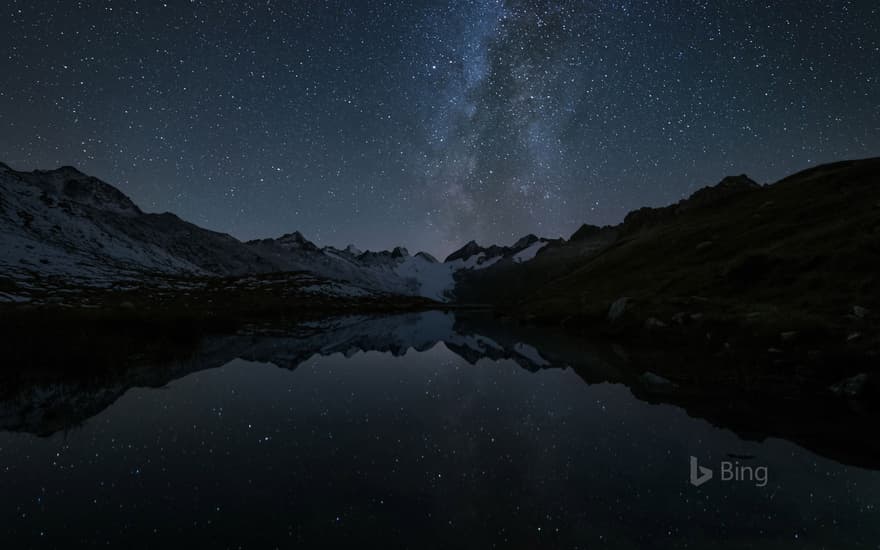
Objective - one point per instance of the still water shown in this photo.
(403, 432)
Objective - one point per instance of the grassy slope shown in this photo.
(806, 248)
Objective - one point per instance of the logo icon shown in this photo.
(699, 474)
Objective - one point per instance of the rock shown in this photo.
(767, 204)
(586, 231)
(525, 242)
(465, 252)
(854, 336)
(696, 316)
(679, 317)
(656, 381)
(126, 305)
(617, 309)
(788, 336)
(427, 257)
(704, 245)
(851, 387)
(653, 322)
(860, 312)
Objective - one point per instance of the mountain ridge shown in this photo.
(798, 256)
(64, 223)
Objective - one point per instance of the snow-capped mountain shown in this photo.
(394, 271)
(474, 256)
(68, 225)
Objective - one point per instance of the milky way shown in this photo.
(430, 123)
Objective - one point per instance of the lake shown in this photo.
(413, 431)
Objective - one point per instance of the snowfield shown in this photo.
(529, 253)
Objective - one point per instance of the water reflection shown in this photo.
(416, 431)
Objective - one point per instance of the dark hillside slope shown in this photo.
(805, 250)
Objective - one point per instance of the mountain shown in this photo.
(800, 252)
(799, 256)
(64, 225)
(394, 271)
(474, 256)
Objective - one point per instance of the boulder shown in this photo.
(853, 386)
(618, 308)
(655, 382)
(653, 323)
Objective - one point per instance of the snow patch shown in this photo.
(531, 354)
(435, 280)
(529, 252)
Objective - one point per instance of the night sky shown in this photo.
(429, 123)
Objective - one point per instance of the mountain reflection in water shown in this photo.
(421, 430)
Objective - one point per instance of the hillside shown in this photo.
(797, 256)
(802, 252)
(62, 230)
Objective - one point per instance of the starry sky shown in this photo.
(430, 123)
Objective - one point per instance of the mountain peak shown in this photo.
(427, 257)
(584, 232)
(295, 240)
(741, 180)
(68, 183)
(465, 252)
(399, 252)
(526, 241)
(729, 186)
(69, 170)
